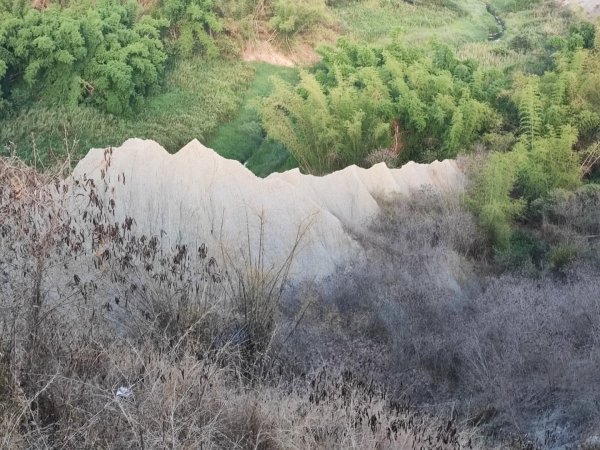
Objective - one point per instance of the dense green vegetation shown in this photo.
(361, 98)
(201, 95)
(87, 75)
(99, 55)
(556, 150)
(539, 119)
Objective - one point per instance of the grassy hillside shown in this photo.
(213, 99)
(243, 137)
(375, 21)
(196, 98)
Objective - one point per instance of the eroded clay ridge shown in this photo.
(197, 197)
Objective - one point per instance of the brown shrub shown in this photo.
(109, 340)
(422, 315)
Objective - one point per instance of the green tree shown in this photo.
(437, 109)
(101, 54)
(127, 64)
(529, 104)
(192, 23)
(469, 119)
(431, 103)
(328, 130)
(491, 197)
(47, 50)
(551, 164)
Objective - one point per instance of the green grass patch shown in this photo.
(271, 156)
(537, 18)
(375, 21)
(529, 24)
(243, 138)
(198, 97)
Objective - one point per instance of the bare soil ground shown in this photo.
(591, 7)
(265, 51)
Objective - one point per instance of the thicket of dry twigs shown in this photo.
(109, 340)
(425, 315)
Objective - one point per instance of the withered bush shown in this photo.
(425, 316)
(110, 340)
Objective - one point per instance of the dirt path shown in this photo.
(264, 51)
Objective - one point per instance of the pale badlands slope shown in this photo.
(590, 7)
(195, 196)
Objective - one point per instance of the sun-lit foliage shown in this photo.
(102, 55)
(420, 103)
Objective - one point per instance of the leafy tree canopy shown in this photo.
(191, 24)
(417, 103)
(102, 55)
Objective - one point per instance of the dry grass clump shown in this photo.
(508, 354)
(192, 403)
(427, 221)
(110, 340)
(573, 219)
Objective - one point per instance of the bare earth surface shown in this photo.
(591, 7)
(197, 197)
(265, 51)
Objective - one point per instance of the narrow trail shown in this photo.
(265, 51)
